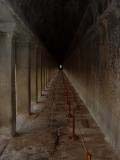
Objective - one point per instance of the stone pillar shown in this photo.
(46, 71)
(23, 76)
(46, 77)
(7, 85)
(33, 72)
(44, 68)
(38, 76)
(42, 74)
(50, 71)
(29, 80)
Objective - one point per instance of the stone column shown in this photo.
(46, 76)
(42, 75)
(38, 76)
(33, 72)
(46, 71)
(7, 85)
(29, 80)
(44, 67)
(23, 76)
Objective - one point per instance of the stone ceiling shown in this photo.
(54, 21)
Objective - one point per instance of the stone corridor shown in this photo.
(48, 133)
(59, 79)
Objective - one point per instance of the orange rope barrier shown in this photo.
(74, 135)
(69, 110)
(88, 155)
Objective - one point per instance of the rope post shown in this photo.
(88, 156)
(69, 110)
(74, 135)
(67, 97)
(65, 101)
(53, 93)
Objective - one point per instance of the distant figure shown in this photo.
(60, 67)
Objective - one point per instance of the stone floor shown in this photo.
(47, 134)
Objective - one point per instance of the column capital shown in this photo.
(22, 40)
(6, 34)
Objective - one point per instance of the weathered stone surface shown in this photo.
(5, 82)
(46, 135)
(56, 22)
(95, 73)
(93, 68)
(33, 51)
(22, 76)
